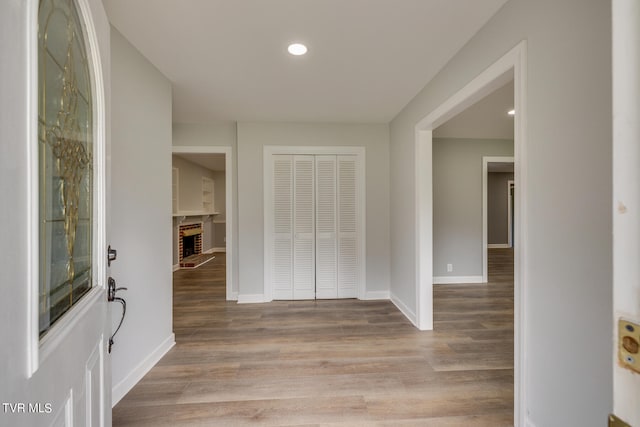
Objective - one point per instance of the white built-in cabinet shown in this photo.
(314, 226)
(207, 195)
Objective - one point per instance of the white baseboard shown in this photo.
(498, 246)
(408, 313)
(376, 295)
(251, 298)
(233, 296)
(218, 250)
(123, 387)
(176, 267)
(447, 280)
(209, 251)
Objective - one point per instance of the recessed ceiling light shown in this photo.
(511, 112)
(297, 49)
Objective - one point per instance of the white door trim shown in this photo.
(492, 78)
(271, 150)
(626, 197)
(229, 213)
(485, 217)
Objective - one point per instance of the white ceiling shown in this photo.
(500, 167)
(211, 161)
(367, 59)
(486, 119)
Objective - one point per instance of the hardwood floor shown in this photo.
(331, 363)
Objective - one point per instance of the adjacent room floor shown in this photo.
(331, 363)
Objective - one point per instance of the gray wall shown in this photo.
(221, 134)
(219, 194)
(567, 257)
(141, 209)
(457, 202)
(252, 137)
(498, 207)
(190, 183)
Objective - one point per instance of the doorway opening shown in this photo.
(497, 206)
(472, 160)
(512, 66)
(203, 210)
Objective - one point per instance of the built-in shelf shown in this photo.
(207, 194)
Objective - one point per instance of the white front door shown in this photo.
(54, 370)
(70, 326)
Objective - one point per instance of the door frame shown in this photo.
(626, 197)
(485, 210)
(268, 152)
(231, 295)
(510, 184)
(512, 64)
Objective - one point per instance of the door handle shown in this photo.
(111, 297)
(112, 290)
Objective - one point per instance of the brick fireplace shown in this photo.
(189, 240)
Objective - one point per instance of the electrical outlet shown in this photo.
(449, 268)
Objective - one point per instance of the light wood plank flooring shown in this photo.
(331, 363)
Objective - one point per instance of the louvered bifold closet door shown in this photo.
(304, 274)
(282, 249)
(326, 227)
(348, 236)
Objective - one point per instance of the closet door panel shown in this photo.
(304, 286)
(282, 238)
(326, 225)
(314, 246)
(348, 241)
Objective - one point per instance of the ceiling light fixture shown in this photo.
(511, 112)
(297, 49)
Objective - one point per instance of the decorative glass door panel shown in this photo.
(65, 155)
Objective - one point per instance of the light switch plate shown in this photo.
(629, 344)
